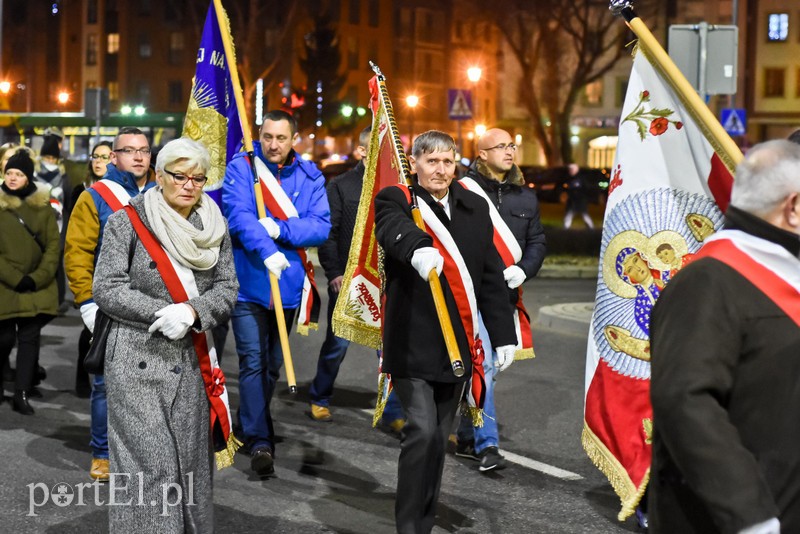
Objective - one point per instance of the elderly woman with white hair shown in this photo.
(165, 276)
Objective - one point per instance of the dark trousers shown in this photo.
(26, 332)
(330, 358)
(255, 329)
(430, 408)
(81, 376)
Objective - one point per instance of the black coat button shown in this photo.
(152, 265)
(142, 365)
(176, 369)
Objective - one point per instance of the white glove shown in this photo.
(276, 264)
(88, 313)
(505, 356)
(174, 321)
(271, 227)
(514, 276)
(425, 259)
(770, 526)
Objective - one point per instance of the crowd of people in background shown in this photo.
(143, 246)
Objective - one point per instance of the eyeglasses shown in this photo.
(181, 179)
(130, 151)
(502, 146)
(102, 157)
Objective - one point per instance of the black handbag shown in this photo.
(94, 362)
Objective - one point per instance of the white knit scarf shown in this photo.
(192, 247)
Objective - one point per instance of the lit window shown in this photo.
(778, 27)
(91, 49)
(113, 90)
(593, 93)
(113, 43)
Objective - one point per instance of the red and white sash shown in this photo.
(281, 207)
(182, 286)
(113, 193)
(458, 278)
(510, 252)
(767, 265)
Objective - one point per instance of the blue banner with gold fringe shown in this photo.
(212, 117)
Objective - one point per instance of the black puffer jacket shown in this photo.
(344, 192)
(519, 208)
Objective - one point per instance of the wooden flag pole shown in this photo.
(230, 57)
(433, 278)
(726, 148)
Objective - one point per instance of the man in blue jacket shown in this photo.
(298, 216)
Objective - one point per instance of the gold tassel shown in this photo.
(601, 457)
(380, 405)
(524, 354)
(224, 458)
(303, 329)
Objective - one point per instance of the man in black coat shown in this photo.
(495, 172)
(414, 349)
(725, 341)
(344, 194)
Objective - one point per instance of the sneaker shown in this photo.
(641, 518)
(262, 462)
(99, 469)
(466, 449)
(491, 459)
(321, 413)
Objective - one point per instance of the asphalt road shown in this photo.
(340, 476)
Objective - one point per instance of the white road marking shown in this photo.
(541, 467)
(522, 461)
(80, 416)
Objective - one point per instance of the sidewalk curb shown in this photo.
(567, 271)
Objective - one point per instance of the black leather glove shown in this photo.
(25, 285)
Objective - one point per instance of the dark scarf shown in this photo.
(736, 219)
(21, 193)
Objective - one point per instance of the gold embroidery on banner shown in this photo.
(647, 425)
(204, 124)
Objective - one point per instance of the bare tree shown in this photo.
(250, 23)
(560, 46)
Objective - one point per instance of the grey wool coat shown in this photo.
(158, 413)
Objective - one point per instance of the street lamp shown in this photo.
(474, 75)
(5, 87)
(62, 97)
(411, 101)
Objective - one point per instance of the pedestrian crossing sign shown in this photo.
(459, 104)
(734, 120)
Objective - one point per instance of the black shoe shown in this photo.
(466, 449)
(40, 376)
(491, 459)
(20, 403)
(261, 461)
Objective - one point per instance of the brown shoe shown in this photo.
(321, 413)
(99, 469)
(397, 425)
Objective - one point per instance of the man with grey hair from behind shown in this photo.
(724, 375)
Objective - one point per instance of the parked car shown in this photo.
(550, 183)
